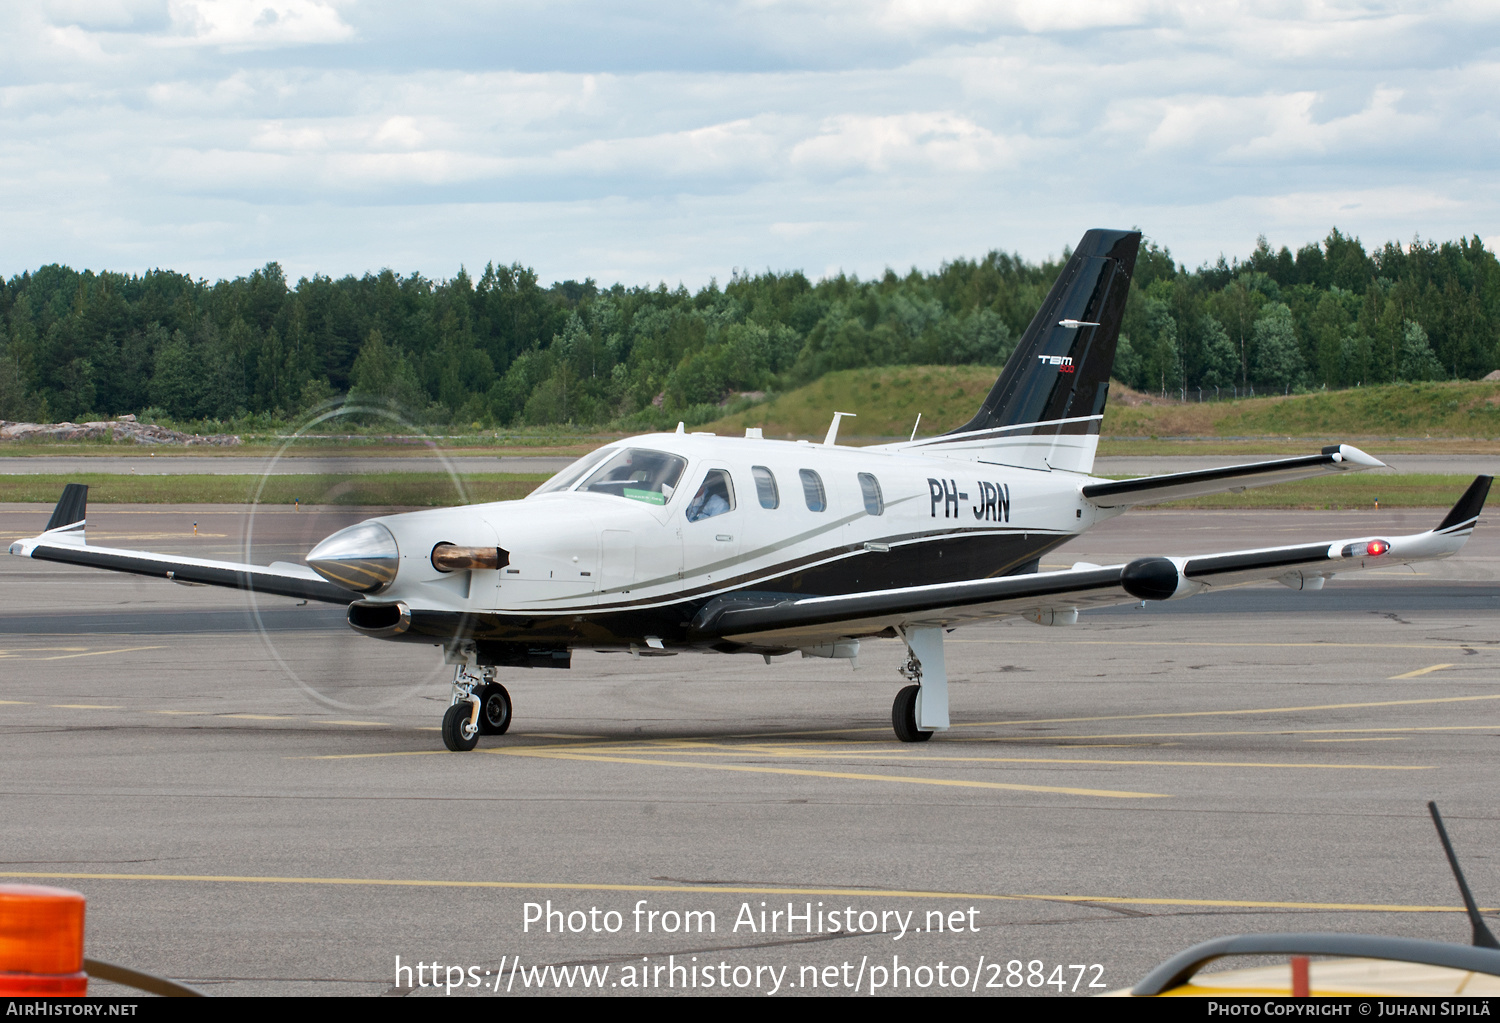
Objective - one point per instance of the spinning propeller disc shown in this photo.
(319, 481)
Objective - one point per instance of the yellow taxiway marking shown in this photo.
(84, 706)
(1376, 738)
(1041, 739)
(97, 653)
(1420, 671)
(15, 653)
(259, 717)
(730, 750)
(1230, 713)
(372, 723)
(17, 703)
(558, 753)
(897, 893)
(1209, 643)
(845, 775)
(1144, 717)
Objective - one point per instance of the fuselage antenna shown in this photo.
(914, 427)
(833, 428)
(1482, 936)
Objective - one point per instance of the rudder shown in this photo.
(1044, 410)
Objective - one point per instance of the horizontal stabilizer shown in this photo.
(1179, 485)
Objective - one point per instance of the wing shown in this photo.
(64, 541)
(1178, 485)
(772, 620)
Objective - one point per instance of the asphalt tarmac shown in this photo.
(1111, 793)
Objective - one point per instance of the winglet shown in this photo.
(1463, 514)
(67, 522)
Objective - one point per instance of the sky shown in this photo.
(642, 142)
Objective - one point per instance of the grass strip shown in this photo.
(431, 490)
(404, 489)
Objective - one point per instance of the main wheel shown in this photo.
(494, 709)
(457, 735)
(904, 716)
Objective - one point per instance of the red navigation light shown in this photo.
(1375, 548)
(41, 941)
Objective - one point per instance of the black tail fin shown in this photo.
(1463, 514)
(71, 507)
(1060, 369)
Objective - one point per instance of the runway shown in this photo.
(1111, 792)
(145, 464)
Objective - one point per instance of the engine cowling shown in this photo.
(1157, 579)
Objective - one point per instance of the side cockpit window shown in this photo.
(812, 490)
(714, 497)
(765, 487)
(638, 474)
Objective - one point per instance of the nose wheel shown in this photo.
(480, 706)
(460, 732)
(494, 709)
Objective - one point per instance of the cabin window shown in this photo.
(869, 486)
(638, 474)
(812, 490)
(714, 497)
(765, 487)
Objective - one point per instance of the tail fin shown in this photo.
(69, 515)
(1044, 411)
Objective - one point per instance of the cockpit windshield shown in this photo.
(639, 474)
(574, 472)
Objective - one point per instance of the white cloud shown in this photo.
(210, 135)
(246, 24)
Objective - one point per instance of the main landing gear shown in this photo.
(480, 706)
(922, 708)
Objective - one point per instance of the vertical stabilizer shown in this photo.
(1044, 411)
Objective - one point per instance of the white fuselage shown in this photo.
(933, 519)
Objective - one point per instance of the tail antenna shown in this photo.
(1482, 936)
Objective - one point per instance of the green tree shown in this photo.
(382, 375)
(1417, 360)
(1219, 359)
(177, 381)
(1278, 356)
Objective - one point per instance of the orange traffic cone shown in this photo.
(41, 942)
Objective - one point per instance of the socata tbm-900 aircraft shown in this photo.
(686, 541)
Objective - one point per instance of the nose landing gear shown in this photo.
(480, 706)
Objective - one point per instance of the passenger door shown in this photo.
(711, 521)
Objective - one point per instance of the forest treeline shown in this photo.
(506, 350)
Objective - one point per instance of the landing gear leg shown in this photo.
(461, 722)
(922, 708)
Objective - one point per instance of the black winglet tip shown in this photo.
(72, 506)
(1470, 505)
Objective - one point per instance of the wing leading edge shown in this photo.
(1178, 485)
(771, 619)
(63, 541)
